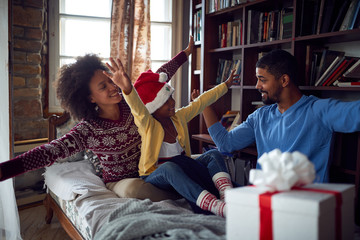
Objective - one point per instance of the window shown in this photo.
(77, 27)
(93, 18)
(161, 32)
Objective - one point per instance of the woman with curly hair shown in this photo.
(106, 127)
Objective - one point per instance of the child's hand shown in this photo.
(194, 94)
(233, 77)
(119, 76)
(190, 46)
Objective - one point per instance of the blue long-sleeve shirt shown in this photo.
(307, 126)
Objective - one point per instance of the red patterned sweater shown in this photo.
(116, 143)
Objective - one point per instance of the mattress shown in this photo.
(70, 210)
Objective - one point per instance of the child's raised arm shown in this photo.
(119, 76)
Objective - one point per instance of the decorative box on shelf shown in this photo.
(315, 211)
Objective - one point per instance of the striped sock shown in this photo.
(222, 182)
(209, 202)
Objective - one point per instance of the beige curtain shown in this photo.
(130, 35)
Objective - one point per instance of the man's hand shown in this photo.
(119, 76)
(190, 46)
(233, 77)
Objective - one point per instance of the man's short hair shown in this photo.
(279, 62)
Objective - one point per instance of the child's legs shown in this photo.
(169, 175)
(197, 171)
(214, 162)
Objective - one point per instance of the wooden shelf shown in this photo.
(203, 137)
(207, 139)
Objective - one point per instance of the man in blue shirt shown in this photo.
(291, 121)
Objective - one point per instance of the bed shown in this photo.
(86, 209)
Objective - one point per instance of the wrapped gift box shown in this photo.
(296, 214)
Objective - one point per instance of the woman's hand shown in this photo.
(188, 50)
(194, 94)
(119, 76)
(233, 77)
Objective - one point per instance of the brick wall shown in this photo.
(30, 49)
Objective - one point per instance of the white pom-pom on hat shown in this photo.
(163, 77)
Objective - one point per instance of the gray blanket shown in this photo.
(143, 219)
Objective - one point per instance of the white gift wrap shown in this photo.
(296, 214)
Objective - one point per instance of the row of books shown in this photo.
(269, 26)
(321, 16)
(216, 5)
(230, 34)
(230, 119)
(224, 69)
(197, 25)
(332, 68)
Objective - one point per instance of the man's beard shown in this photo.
(269, 100)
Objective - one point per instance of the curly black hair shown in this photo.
(72, 86)
(279, 62)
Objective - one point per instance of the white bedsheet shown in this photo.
(77, 181)
(69, 179)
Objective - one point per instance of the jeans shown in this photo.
(187, 176)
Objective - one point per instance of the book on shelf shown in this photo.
(353, 72)
(306, 17)
(338, 71)
(216, 5)
(252, 32)
(230, 33)
(197, 25)
(315, 16)
(274, 25)
(327, 59)
(320, 16)
(327, 16)
(350, 16)
(339, 66)
(228, 118)
(312, 61)
(340, 15)
(315, 63)
(347, 84)
(224, 69)
(335, 63)
(287, 22)
(264, 26)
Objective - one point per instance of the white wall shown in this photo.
(4, 81)
(9, 228)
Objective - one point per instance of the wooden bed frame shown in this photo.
(49, 203)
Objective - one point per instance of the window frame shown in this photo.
(55, 56)
(52, 105)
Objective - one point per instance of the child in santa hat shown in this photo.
(165, 151)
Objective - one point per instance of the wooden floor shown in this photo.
(33, 226)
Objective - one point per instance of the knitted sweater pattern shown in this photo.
(116, 143)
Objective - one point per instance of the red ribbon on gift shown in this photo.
(266, 228)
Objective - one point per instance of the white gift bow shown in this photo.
(281, 171)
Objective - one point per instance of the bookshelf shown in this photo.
(299, 40)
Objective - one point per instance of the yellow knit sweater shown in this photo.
(152, 133)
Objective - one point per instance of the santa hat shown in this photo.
(153, 89)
